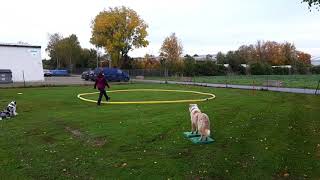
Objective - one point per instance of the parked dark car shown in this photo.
(115, 74)
(111, 74)
(47, 73)
(88, 75)
(60, 72)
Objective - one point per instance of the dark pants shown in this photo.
(102, 93)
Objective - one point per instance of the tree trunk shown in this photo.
(70, 65)
(58, 66)
(110, 63)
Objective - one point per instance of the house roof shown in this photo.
(212, 57)
(19, 45)
(5, 71)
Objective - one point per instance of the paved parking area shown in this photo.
(52, 81)
(70, 80)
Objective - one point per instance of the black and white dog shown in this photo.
(10, 111)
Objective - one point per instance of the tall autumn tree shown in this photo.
(118, 30)
(71, 50)
(248, 54)
(312, 3)
(87, 59)
(65, 52)
(289, 53)
(271, 52)
(171, 51)
(172, 48)
(304, 57)
(221, 58)
(52, 49)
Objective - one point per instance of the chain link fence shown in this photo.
(309, 81)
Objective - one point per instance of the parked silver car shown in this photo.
(47, 73)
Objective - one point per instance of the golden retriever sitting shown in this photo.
(199, 122)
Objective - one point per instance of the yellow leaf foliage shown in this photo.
(118, 30)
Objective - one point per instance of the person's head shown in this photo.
(100, 75)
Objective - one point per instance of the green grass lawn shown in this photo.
(268, 135)
(292, 81)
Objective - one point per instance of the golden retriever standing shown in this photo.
(200, 122)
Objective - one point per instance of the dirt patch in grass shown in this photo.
(94, 142)
(98, 142)
(283, 174)
(204, 177)
(75, 132)
(157, 137)
(48, 139)
(185, 153)
(34, 131)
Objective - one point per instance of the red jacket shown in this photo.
(101, 83)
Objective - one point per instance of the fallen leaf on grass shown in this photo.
(124, 165)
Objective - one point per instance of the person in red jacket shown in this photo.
(101, 83)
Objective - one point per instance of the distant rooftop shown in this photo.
(315, 60)
(18, 45)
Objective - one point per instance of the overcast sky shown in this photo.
(204, 26)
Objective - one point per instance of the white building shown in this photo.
(283, 66)
(208, 57)
(23, 60)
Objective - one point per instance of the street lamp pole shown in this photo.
(164, 61)
(97, 57)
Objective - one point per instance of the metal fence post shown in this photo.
(24, 81)
(267, 82)
(317, 88)
(226, 80)
(253, 88)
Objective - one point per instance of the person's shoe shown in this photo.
(108, 99)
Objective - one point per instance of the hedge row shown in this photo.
(211, 69)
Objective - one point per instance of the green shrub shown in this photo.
(221, 70)
(189, 66)
(260, 69)
(301, 68)
(241, 70)
(209, 68)
(280, 71)
(315, 69)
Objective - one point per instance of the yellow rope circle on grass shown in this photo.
(210, 97)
